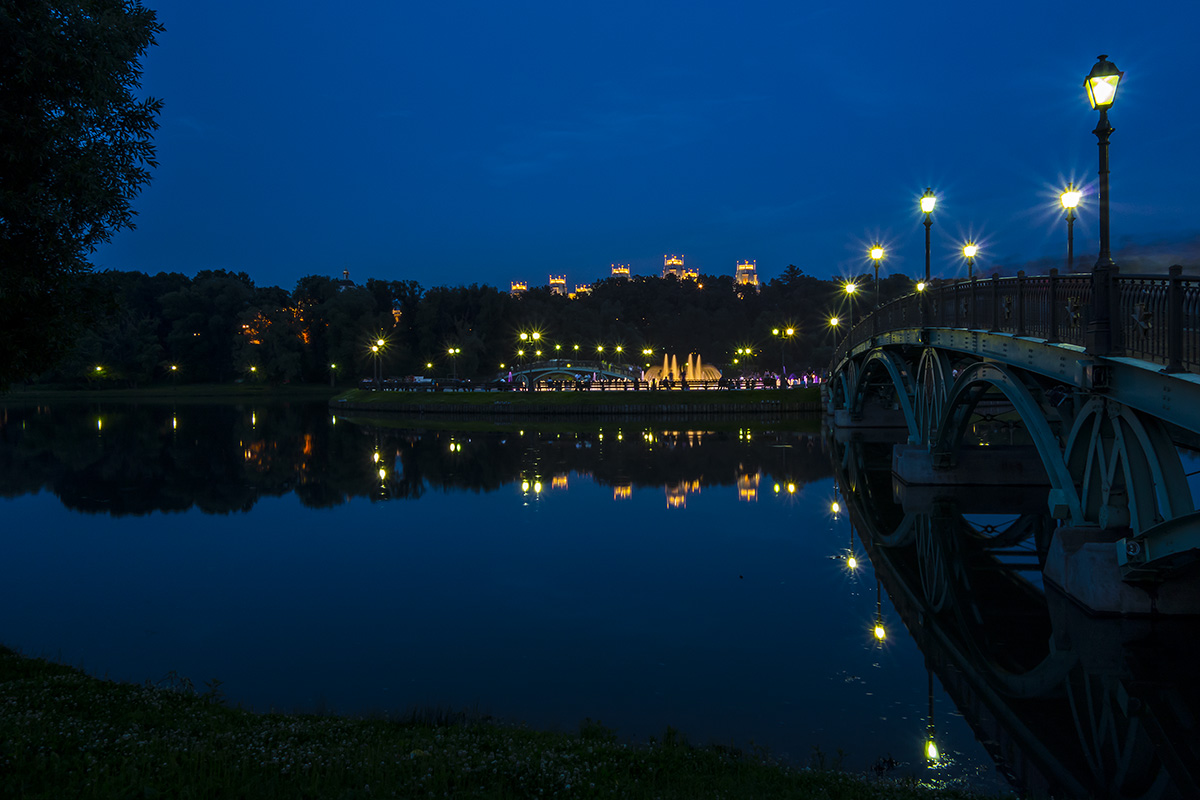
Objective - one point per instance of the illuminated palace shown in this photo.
(673, 265)
(746, 275)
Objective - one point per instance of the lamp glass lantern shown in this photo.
(1101, 83)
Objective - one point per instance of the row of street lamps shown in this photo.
(1101, 84)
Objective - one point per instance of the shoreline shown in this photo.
(67, 734)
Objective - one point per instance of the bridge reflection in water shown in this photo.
(1068, 704)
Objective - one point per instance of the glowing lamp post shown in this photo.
(453, 352)
(876, 257)
(1101, 84)
(969, 251)
(928, 201)
(1070, 201)
(784, 335)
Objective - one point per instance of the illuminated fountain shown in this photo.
(693, 370)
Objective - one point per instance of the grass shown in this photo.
(572, 398)
(65, 734)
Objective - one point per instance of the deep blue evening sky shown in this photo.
(479, 142)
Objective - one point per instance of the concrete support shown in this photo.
(997, 465)
(1082, 562)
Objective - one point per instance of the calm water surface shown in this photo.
(643, 573)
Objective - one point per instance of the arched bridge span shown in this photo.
(570, 370)
(1026, 381)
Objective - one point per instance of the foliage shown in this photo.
(76, 149)
(64, 734)
(217, 325)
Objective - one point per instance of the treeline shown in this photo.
(219, 326)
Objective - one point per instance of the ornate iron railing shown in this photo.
(1153, 317)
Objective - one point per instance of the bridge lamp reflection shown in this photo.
(880, 633)
(931, 749)
(382, 473)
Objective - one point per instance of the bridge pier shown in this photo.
(992, 466)
(1083, 563)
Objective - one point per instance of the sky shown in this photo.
(454, 143)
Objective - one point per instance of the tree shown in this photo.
(76, 149)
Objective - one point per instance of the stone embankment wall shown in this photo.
(585, 409)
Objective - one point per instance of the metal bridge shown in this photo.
(566, 369)
(1082, 387)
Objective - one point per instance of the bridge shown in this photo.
(1080, 390)
(565, 369)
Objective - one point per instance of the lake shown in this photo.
(645, 573)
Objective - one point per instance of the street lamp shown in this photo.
(928, 201)
(850, 289)
(969, 251)
(1070, 201)
(453, 352)
(1101, 84)
(783, 335)
(877, 256)
(375, 355)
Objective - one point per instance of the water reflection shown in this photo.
(221, 459)
(1067, 704)
(699, 575)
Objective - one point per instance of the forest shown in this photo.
(219, 327)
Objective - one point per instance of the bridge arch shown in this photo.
(972, 383)
(898, 375)
(1130, 473)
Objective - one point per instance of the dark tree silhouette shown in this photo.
(77, 148)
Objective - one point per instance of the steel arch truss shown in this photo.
(1028, 402)
(900, 378)
(1131, 478)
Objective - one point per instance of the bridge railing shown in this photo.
(1155, 317)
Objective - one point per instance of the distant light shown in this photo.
(880, 633)
(852, 562)
(931, 750)
(833, 322)
(375, 456)
(173, 368)
(537, 487)
(851, 288)
(524, 486)
(524, 337)
(876, 252)
(99, 368)
(1071, 197)
(791, 331)
(921, 286)
(835, 507)
(970, 249)
(379, 342)
(254, 369)
(791, 488)
(382, 473)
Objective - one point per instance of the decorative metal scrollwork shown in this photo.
(1142, 317)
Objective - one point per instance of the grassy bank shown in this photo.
(768, 399)
(64, 734)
